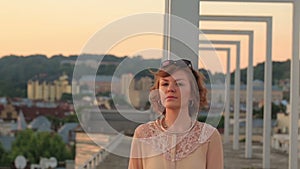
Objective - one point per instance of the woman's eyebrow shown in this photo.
(180, 80)
(164, 79)
(174, 80)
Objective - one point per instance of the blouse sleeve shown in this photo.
(215, 152)
(135, 160)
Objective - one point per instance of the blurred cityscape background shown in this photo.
(41, 127)
(38, 117)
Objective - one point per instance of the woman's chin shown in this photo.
(172, 106)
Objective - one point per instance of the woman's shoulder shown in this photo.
(205, 127)
(145, 130)
(207, 132)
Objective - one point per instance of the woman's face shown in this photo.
(175, 90)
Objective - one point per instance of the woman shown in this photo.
(176, 140)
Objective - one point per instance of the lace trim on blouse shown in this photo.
(175, 147)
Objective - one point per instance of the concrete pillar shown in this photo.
(294, 92)
(248, 148)
(237, 84)
(267, 99)
(227, 105)
(189, 10)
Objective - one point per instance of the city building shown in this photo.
(8, 112)
(125, 83)
(258, 93)
(139, 92)
(41, 123)
(31, 113)
(12, 113)
(280, 140)
(67, 132)
(47, 88)
(20, 124)
(11, 120)
(102, 84)
(283, 120)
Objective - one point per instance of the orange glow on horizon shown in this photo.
(64, 27)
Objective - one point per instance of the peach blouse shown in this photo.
(155, 148)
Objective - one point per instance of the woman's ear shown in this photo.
(191, 102)
(154, 99)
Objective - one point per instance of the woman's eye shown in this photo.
(164, 84)
(180, 84)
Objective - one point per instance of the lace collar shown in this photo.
(177, 146)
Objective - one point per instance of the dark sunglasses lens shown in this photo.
(167, 63)
(187, 62)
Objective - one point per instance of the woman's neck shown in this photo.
(176, 120)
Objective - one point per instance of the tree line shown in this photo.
(280, 70)
(15, 71)
(34, 145)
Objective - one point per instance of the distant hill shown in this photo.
(281, 70)
(15, 71)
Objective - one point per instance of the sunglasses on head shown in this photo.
(181, 63)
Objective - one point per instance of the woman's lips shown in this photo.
(171, 97)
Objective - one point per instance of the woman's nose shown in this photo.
(171, 88)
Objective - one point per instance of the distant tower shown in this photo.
(125, 83)
(144, 84)
(21, 121)
(30, 89)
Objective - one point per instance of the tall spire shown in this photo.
(21, 121)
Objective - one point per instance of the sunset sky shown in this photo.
(64, 26)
